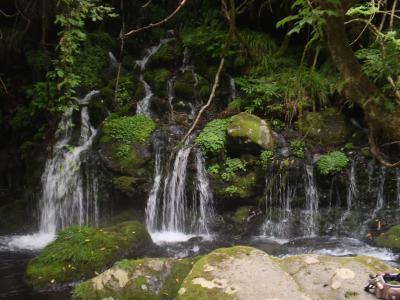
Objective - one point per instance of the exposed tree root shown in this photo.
(377, 154)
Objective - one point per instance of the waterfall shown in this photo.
(312, 202)
(203, 198)
(170, 214)
(152, 202)
(398, 186)
(279, 194)
(352, 191)
(64, 200)
(143, 106)
(232, 88)
(69, 186)
(113, 60)
(380, 196)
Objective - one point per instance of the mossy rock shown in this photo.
(250, 129)
(241, 214)
(148, 278)
(157, 79)
(389, 239)
(126, 185)
(165, 56)
(184, 90)
(124, 144)
(82, 251)
(240, 186)
(327, 127)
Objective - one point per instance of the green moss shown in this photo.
(327, 128)
(183, 90)
(197, 292)
(390, 239)
(126, 130)
(125, 184)
(248, 128)
(161, 278)
(212, 139)
(333, 162)
(157, 79)
(81, 251)
(164, 56)
(241, 214)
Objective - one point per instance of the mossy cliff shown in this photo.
(80, 252)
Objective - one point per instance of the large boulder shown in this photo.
(82, 251)
(148, 278)
(244, 273)
(250, 129)
(327, 127)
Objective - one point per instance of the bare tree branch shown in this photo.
(210, 99)
(178, 8)
(377, 154)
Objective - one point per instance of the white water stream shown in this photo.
(69, 188)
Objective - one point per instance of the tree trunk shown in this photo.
(357, 87)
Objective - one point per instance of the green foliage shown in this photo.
(38, 60)
(127, 130)
(231, 166)
(124, 92)
(79, 251)
(333, 162)
(205, 40)
(297, 87)
(265, 157)
(231, 190)
(212, 138)
(390, 239)
(277, 125)
(214, 169)
(297, 148)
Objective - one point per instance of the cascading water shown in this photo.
(143, 106)
(170, 214)
(398, 186)
(312, 202)
(280, 192)
(69, 189)
(232, 88)
(380, 197)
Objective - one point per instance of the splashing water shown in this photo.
(279, 193)
(69, 188)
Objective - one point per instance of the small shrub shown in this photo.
(277, 125)
(213, 170)
(333, 162)
(232, 165)
(297, 148)
(212, 138)
(265, 157)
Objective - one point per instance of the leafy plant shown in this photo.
(126, 130)
(297, 148)
(213, 169)
(212, 138)
(333, 162)
(231, 166)
(265, 157)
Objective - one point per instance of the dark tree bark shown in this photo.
(357, 87)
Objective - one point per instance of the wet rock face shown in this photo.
(327, 128)
(149, 278)
(250, 129)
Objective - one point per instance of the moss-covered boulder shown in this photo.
(327, 127)
(157, 79)
(244, 273)
(81, 252)
(390, 239)
(148, 278)
(124, 144)
(249, 129)
(128, 186)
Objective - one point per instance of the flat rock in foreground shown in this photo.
(246, 273)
